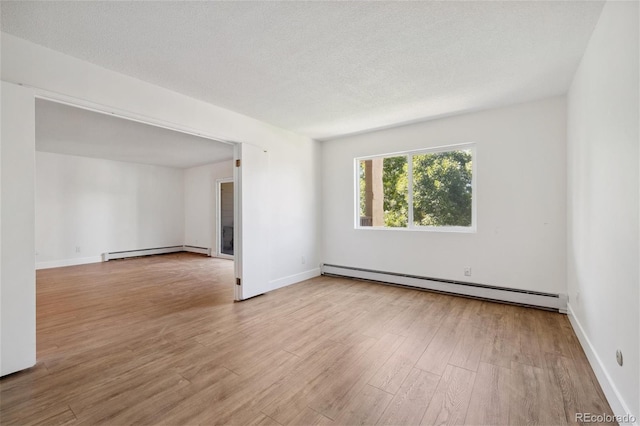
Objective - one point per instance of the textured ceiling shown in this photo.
(326, 68)
(68, 130)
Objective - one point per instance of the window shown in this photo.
(430, 189)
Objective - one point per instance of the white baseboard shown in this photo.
(500, 294)
(120, 255)
(199, 250)
(68, 262)
(617, 403)
(223, 256)
(292, 279)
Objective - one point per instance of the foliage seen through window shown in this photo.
(441, 190)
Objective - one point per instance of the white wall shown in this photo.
(520, 168)
(603, 204)
(17, 277)
(200, 202)
(104, 206)
(294, 159)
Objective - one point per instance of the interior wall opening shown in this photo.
(109, 187)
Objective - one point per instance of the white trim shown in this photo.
(441, 148)
(120, 113)
(105, 257)
(237, 222)
(293, 279)
(411, 226)
(356, 210)
(410, 219)
(224, 256)
(474, 187)
(199, 250)
(542, 300)
(609, 388)
(459, 229)
(68, 262)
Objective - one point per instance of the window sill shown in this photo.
(447, 229)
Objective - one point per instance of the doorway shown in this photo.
(225, 218)
(19, 123)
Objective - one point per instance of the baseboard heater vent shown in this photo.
(194, 249)
(534, 299)
(151, 251)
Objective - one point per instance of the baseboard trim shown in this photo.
(199, 250)
(68, 262)
(617, 403)
(223, 256)
(535, 299)
(293, 279)
(105, 257)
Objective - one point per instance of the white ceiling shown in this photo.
(326, 68)
(73, 131)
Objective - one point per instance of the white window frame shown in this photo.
(471, 146)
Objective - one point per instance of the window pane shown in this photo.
(384, 192)
(442, 188)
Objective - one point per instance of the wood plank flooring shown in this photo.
(158, 340)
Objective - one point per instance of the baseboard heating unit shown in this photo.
(534, 299)
(194, 249)
(151, 251)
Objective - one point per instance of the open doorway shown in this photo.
(95, 158)
(20, 125)
(225, 218)
(108, 187)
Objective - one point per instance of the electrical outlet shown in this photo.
(77, 249)
(303, 260)
(619, 357)
(467, 271)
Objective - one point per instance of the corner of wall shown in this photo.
(603, 129)
(607, 384)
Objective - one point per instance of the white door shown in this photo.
(251, 242)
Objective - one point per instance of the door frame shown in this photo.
(27, 131)
(39, 93)
(218, 230)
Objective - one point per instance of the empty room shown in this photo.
(298, 213)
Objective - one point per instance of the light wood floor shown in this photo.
(158, 340)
